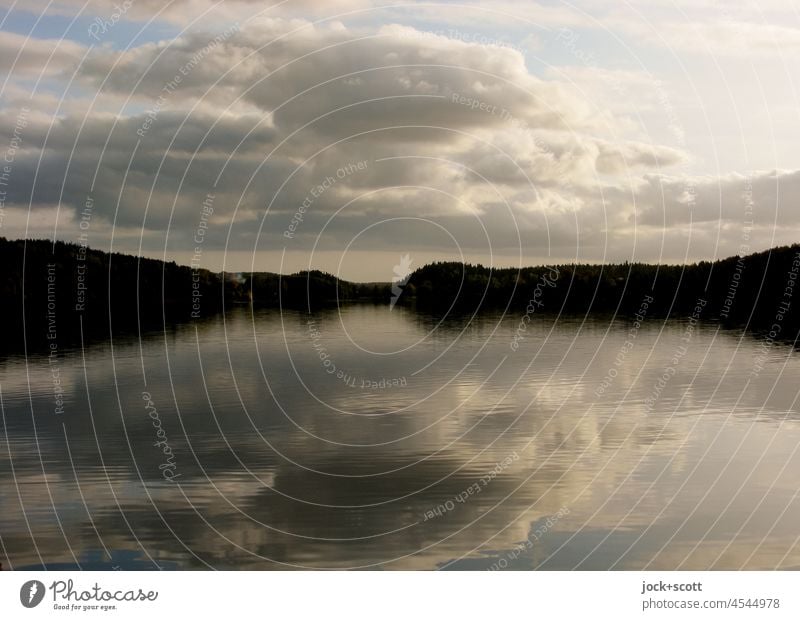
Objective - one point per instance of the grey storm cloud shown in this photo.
(351, 81)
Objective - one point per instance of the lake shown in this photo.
(373, 438)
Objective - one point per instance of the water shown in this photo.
(374, 439)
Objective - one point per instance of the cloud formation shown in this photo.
(266, 113)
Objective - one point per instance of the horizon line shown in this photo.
(165, 260)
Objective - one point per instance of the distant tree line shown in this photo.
(758, 290)
(60, 289)
(63, 287)
(47, 287)
(308, 288)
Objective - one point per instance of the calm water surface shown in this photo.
(370, 438)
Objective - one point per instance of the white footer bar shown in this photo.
(399, 595)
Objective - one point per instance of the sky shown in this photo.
(354, 136)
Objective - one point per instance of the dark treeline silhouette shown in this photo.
(55, 289)
(757, 290)
(58, 291)
(307, 288)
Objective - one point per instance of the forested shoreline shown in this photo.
(62, 288)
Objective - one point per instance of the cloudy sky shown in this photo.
(345, 134)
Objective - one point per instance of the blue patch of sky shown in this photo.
(118, 36)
